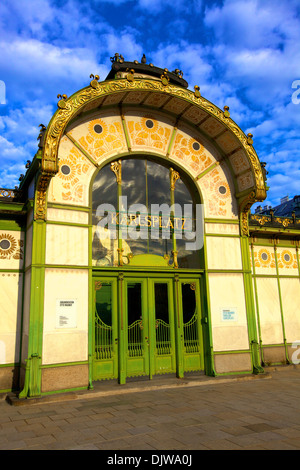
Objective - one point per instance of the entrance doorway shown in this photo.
(146, 326)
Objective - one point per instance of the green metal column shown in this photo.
(121, 330)
(116, 168)
(257, 307)
(174, 176)
(208, 341)
(281, 306)
(250, 306)
(33, 376)
(178, 330)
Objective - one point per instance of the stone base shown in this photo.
(65, 377)
(238, 362)
(274, 355)
(9, 378)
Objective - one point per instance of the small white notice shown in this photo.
(229, 314)
(66, 313)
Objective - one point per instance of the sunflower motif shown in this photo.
(287, 258)
(264, 257)
(97, 128)
(66, 169)
(195, 146)
(149, 124)
(222, 189)
(8, 245)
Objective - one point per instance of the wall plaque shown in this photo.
(229, 314)
(66, 313)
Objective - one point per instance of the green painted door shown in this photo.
(105, 335)
(150, 346)
(190, 353)
(136, 339)
(145, 326)
(162, 327)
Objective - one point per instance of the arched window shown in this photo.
(140, 208)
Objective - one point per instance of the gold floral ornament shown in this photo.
(174, 176)
(164, 78)
(116, 168)
(94, 82)
(197, 91)
(226, 111)
(10, 247)
(250, 139)
(98, 285)
(62, 102)
(130, 75)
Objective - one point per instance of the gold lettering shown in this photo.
(124, 220)
(169, 224)
(176, 221)
(113, 216)
(155, 218)
(132, 218)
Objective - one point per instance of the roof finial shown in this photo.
(117, 58)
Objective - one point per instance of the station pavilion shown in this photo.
(99, 281)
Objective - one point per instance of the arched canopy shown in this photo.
(183, 106)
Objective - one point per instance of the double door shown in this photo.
(146, 326)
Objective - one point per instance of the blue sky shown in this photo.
(244, 54)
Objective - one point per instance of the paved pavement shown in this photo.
(168, 414)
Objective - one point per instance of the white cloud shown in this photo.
(257, 46)
(41, 70)
(242, 53)
(155, 6)
(252, 24)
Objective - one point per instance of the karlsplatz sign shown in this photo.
(159, 221)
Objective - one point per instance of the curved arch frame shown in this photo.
(69, 108)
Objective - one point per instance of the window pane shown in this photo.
(103, 322)
(190, 318)
(104, 250)
(146, 183)
(162, 326)
(135, 320)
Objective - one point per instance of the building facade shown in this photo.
(129, 249)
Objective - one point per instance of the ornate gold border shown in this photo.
(69, 107)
